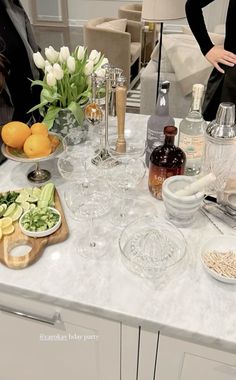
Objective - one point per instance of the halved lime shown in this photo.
(28, 190)
(10, 209)
(32, 199)
(36, 192)
(6, 222)
(32, 205)
(17, 213)
(25, 205)
(22, 198)
(8, 230)
(2, 210)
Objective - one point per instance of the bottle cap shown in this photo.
(198, 88)
(224, 124)
(170, 130)
(225, 114)
(165, 85)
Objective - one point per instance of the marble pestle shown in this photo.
(196, 186)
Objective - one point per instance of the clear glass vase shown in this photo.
(65, 122)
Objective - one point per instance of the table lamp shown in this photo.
(158, 11)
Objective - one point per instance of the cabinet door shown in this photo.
(181, 360)
(79, 346)
(138, 353)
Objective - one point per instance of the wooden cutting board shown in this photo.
(37, 245)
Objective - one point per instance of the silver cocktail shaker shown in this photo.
(220, 147)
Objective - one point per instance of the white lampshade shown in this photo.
(162, 10)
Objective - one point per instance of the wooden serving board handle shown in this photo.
(121, 95)
(19, 262)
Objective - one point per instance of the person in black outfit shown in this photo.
(221, 85)
(17, 44)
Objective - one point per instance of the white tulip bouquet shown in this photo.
(66, 83)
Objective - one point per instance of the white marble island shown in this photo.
(185, 304)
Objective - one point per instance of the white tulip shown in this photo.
(51, 79)
(104, 61)
(88, 69)
(94, 56)
(81, 52)
(64, 54)
(57, 71)
(48, 67)
(71, 64)
(51, 54)
(100, 73)
(39, 60)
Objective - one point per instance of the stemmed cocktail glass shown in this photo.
(125, 176)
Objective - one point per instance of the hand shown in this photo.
(217, 55)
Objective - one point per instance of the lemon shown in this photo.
(8, 230)
(17, 213)
(10, 210)
(6, 222)
(0, 233)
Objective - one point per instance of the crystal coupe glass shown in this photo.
(87, 201)
(125, 176)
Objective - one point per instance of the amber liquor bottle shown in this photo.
(165, 161)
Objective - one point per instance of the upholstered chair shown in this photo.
(150, 32)
(120, 41)
(130, 11)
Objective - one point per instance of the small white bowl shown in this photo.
(222, 244)
(47, 232)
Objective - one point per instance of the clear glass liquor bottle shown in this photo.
(165, 161)
(192, 133)
(158, 120)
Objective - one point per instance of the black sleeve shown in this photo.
(193, 9)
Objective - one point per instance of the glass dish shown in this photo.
(150, 246)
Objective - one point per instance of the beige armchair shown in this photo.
(130, 11)
(122, 48)
(150, 32)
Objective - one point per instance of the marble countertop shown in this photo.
(186, 302)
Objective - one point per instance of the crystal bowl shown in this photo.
(150, 246)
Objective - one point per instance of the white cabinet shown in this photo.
(182, 360)
(80, 346)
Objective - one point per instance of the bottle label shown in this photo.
(193, 146)
(157, 176)
(154, 139)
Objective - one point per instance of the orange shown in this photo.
(15, 133)
(39, 129)
(37, 146)
(54, 142)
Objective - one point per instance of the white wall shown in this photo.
(82, 10)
